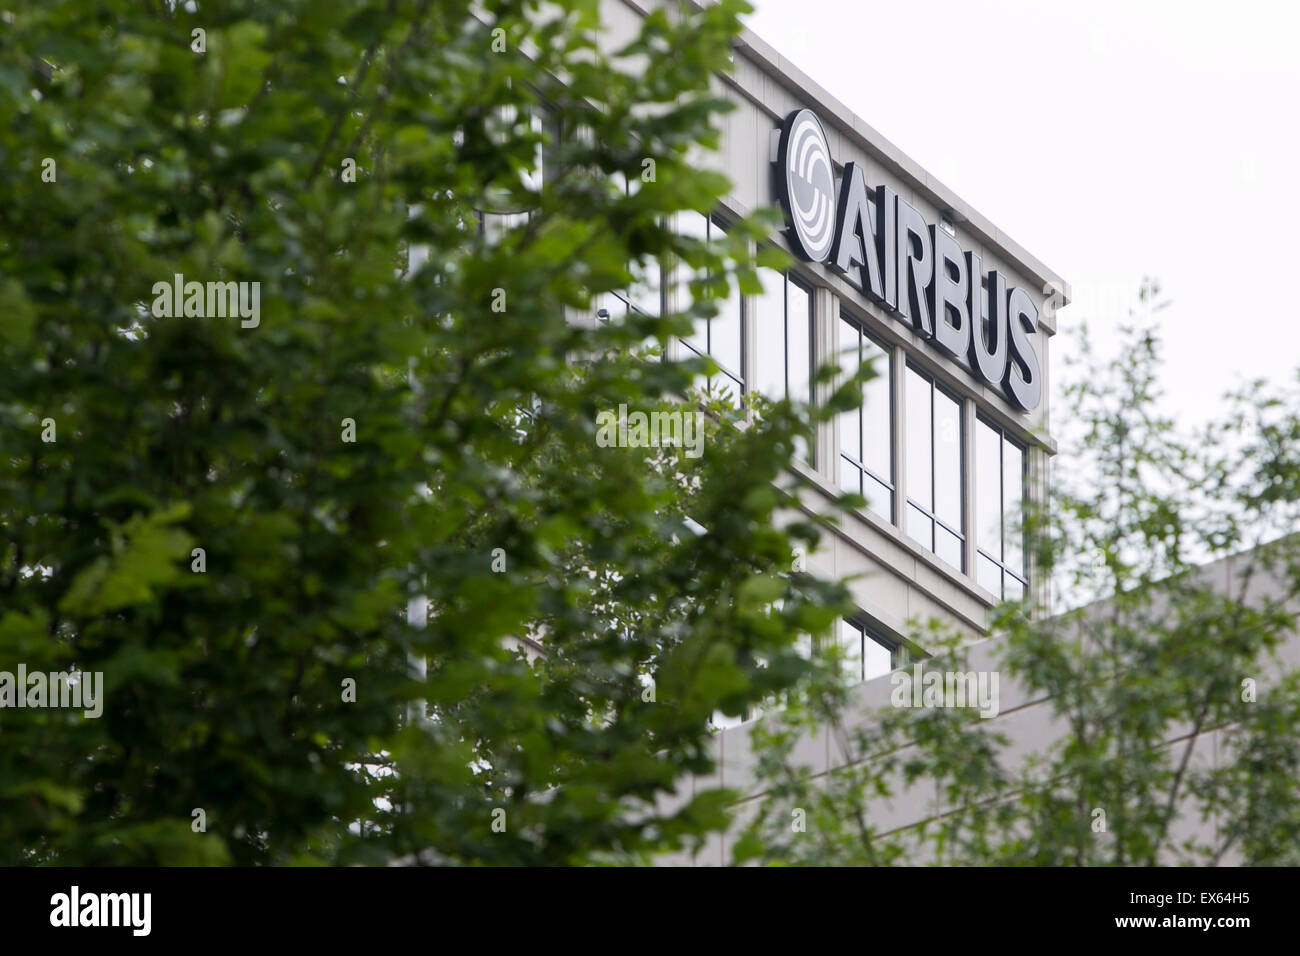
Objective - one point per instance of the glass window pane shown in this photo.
(988, 490)
(989, 576)
(850, 476)
(850, 421)
(947, 546)
(920, 526)
(645, 287)
(697, 227)
(879, 498)
(693, 224)
(1015, 588)
(799, 340)
(699, 338)
(919, 480)
(724, 333)
(495, 226)
(726, 386)
(532, 178)
(877, 416)
(724, 328)
(947, 459)
(1013, 518)
(876, 659)
(851, 650)
(769, 335)
(701, 382)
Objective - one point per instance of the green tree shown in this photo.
(1178, 570)
(228, 517)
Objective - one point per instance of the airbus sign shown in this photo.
(883, 246)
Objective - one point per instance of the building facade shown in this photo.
(953, 439)
(894, 269)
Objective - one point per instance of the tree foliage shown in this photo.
(471, 382)
(1171, 728)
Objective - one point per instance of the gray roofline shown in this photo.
(835, 113)
(858, 130)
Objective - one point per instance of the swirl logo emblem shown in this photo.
(807, 185)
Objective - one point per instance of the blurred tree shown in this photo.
(1153, 652)
(407, 417)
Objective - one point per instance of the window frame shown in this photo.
(752, 316)
(868, 632)
(1004, 438)
(789, 277)
(930, 511)
(624, 296)
(865, 472)
(736, 377)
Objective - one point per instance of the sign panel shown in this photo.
(883, 246)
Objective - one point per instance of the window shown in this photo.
(783, 336)
(718, 337)
(934, 468)
(494, 225)
(645, 293)
(867, 432)
(999, 495)
(864, 655)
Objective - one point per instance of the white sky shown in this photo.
(1112, 139)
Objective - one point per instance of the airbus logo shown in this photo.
(916, 270)
(809, 194)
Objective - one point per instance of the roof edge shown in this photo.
(848, 123)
